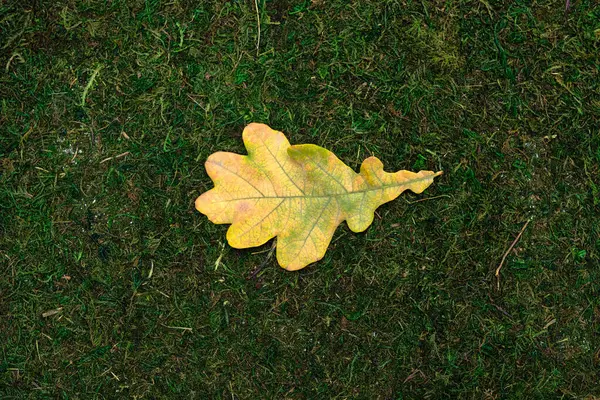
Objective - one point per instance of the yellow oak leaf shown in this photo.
(300, 194)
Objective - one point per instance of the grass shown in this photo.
(108, 284)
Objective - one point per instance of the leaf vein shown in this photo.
(236, 174)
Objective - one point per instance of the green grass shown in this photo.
(108, 109)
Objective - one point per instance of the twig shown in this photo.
(414, 373)
(258, 22)
(195, 101)
(512, 245)
(110, 158)
(429, 198)
(182, 328)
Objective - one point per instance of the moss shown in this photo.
(110, 282)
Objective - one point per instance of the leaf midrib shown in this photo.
(371, 189)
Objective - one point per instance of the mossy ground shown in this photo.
(109, 285)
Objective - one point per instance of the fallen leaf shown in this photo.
(298, 193)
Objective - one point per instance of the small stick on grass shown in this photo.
(428, 198)
(258, 23)
(182, 328)
(111, 158)
(512, 245)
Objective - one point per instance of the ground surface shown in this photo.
(108, 279)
